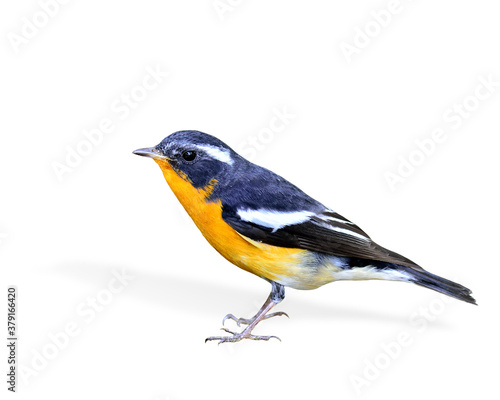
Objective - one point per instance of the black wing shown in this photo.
(325, 232)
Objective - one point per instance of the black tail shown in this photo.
(418, 275)
(434, 282)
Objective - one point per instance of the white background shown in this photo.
(61, 239)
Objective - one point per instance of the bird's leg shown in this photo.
(248, 321)
(276, 296)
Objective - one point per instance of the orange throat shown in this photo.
(266, 261)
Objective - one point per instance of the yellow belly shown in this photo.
(290, 267)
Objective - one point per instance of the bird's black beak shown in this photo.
(151, 152)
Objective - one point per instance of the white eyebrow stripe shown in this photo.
(218, 154)
(274, 219)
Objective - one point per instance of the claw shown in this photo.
(239, 336)
(276, 314)
(253, 337)
(274, 298)
(246, 321)
(238, 321)
(236, 337)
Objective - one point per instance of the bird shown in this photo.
(269, 227)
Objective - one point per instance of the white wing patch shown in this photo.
(277, 220)
(218, 154)
(274, 219)
(348, 232)
(333, 219)
(345, 231)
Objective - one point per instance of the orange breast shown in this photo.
(271, 262)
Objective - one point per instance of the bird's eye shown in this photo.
(189, 155)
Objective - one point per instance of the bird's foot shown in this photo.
(274, 298)
(236, 337)
(247, 321)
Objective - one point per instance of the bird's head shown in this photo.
(194, 155)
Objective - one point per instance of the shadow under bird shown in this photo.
(267, 226)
